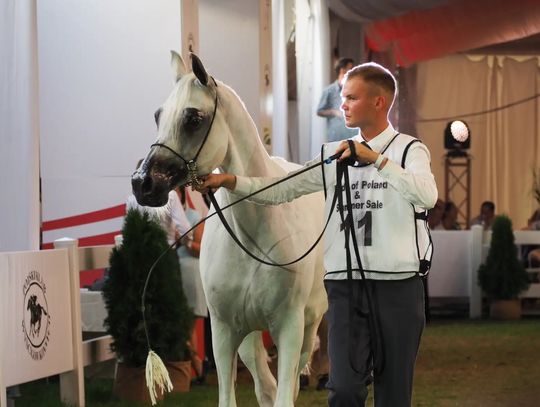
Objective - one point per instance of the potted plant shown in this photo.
(169, 319)
(502, 277)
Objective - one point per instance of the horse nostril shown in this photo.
(146, 186)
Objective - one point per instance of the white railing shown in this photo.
(456, 259)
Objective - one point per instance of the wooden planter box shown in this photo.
(505, 309)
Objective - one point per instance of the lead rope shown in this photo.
(376, 338)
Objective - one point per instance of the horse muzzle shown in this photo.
(150, 190)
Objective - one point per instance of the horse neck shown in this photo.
(246, 154)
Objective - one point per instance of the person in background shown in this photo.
(330, 102)
(533, 223)
(435, 215)
(188, 255)
(487, 214)
(449, 218)
(532, 252)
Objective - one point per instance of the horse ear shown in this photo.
(179, 68)
(198, 69)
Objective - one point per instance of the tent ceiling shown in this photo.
(418, 30)
(370, 10)
(523, 46)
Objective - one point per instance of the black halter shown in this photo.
(193, 178)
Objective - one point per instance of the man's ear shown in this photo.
(380, 102)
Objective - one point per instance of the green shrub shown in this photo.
(502, 276)
(169, 318)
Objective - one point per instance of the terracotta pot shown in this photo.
(505, 309)
(130, 384)
(180, 374)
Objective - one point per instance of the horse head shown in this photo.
(192, 135)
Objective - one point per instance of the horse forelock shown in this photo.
(187, 93)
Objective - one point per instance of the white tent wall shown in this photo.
(104, 68)
(280, 145)
(312, 53)
(229, 47)
(505, 145)
(19, 133)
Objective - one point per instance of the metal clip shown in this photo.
(193, 178)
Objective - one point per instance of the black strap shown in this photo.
(322, 170)
(388, 145)
(421, 215)
(219, 212)
(406, 151)
(377, 347)
(211, 123)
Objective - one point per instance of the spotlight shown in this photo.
(457, 138)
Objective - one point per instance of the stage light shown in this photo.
(457, 138)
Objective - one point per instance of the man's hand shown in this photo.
(330, 113)
(215, 181)
(364, 154)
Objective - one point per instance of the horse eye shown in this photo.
(157, 114)
(193, 120)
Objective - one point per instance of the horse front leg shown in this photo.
(254, 356)
(310, 331)
(225, 343)
(290, 336)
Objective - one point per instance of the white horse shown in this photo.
(244, 296)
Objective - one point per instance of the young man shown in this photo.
(331, 101)
(392, 244)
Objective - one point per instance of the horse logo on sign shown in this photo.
(36, 321)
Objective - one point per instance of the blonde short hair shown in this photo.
(374, 74)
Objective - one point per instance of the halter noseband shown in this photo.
(193, 178)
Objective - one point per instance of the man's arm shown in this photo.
(329, 113)
(416, 182)
(324, 109)
(303, 184)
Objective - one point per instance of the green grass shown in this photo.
(461, 363)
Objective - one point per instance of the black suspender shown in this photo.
(425, 263)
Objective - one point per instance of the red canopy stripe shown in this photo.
(459, 26)
(90, 217)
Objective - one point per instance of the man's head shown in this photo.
(342, 66)
(487, 210)
(368, 93)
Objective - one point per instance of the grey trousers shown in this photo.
(399, 307)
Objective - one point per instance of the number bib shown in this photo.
(385, 224)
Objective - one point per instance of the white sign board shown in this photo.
(35, 313)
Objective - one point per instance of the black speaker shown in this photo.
(450, 142)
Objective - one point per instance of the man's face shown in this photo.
(486, 212)
(359, 102)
